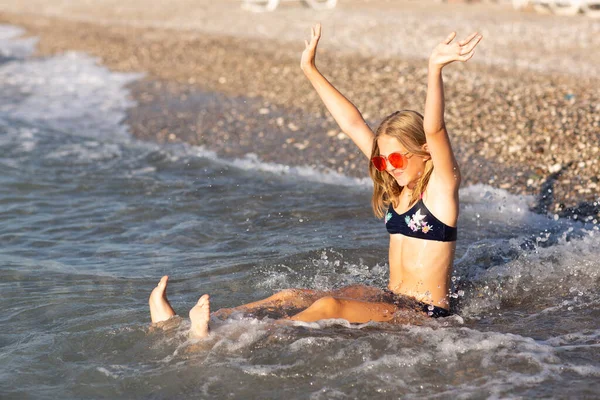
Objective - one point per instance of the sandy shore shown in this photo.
(525, 116)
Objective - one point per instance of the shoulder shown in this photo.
(442, 200)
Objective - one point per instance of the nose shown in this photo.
(388, 166)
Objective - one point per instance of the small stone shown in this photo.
(514, 149)
(302, 146)
(554, 168)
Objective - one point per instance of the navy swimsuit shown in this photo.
(419, 222)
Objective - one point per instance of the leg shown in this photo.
(160, 308)
(355, 311)
(358, 292)
(296, 298)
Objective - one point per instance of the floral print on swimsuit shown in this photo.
(388, 216)
(417, 222)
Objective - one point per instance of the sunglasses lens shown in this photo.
(378, 162)
(397, 160)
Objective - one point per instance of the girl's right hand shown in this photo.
(308, 55)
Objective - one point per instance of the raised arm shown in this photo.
(438, 142)
(344, 112)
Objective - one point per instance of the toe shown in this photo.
(204, 299)
(159, 292)
(163, 281)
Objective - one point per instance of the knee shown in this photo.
(285, 294)
(328, 305)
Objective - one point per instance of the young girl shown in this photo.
(416, 180)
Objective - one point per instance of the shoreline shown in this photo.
(237, 96)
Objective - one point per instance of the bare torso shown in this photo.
(421, 268)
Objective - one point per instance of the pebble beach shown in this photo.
(524, 114)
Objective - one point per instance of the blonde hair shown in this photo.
(407, 127)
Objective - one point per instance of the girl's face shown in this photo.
(415, 167)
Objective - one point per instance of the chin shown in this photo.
(401, 180)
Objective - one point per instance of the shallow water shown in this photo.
(93, 218)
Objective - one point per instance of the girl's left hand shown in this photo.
(448, 52)
(307, 61)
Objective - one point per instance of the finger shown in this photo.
(467, 40)
(467, 56)
(469, 47)
(450, 38)
(318, 30)
(315, 38)
(306, 43)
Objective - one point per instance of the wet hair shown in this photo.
(407, 127)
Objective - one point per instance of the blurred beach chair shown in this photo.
(520, 4)
(271, 5)
(566, 7)
(590, 8)
(542, 6)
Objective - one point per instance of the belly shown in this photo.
(421, 268)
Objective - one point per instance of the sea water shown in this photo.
(92, 218)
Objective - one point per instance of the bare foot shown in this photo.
(199, 315)
(160, 309)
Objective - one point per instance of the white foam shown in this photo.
(327, 272)
(86, 153)
(13, 47)
(498, 362)
(497, 204)
(570, 340)
(303, 343)
(516, 360)
(236, 335)
(327, 393)
(570, 265)
(69, 93)
(107, 373)
(251, 162)
(269, 370)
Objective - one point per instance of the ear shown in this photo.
(426, 149)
